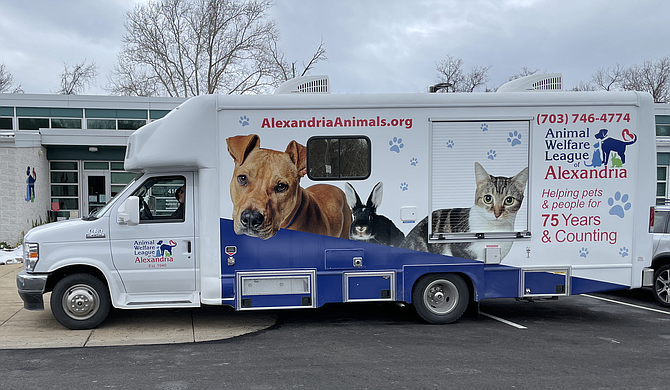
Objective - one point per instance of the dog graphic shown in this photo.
(609, 145)
(163, 248)
(266, 193)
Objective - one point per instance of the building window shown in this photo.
(128, 124)
(35, 118)
(6, 124)
(101, 124)
(157, 114)
(116, 119)
(96, 165)
(119, 179)
(64, 183)
(59, 123)
(662, 126)
(33, 123)
(663, 161)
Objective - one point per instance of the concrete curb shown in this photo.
(22, 329)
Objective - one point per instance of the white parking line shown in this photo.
(510, 323)
(627, 304)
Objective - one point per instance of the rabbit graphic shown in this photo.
(367, 225)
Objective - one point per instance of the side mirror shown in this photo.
(129, 212)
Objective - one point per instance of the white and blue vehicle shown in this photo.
(299, 200)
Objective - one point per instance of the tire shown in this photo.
(661, 288)
(441, 298)
(80, 301)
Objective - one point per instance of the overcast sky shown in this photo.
(372, 45)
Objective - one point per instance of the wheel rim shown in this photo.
(81, 302)
(441, 296)
(663, 286)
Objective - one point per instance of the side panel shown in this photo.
(591, 191)
(571, 181)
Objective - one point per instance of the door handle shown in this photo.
(188, 246)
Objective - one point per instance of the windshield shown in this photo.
(100, 212)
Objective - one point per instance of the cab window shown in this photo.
(162, 199)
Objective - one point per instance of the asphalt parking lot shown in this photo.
(616, 340)
(600, 341)
(21, 329)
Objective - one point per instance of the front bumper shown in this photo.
(31, 289)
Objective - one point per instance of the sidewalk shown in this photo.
(20, 328)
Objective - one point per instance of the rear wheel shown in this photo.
(80, 301)
(441, 298)
(661, 287)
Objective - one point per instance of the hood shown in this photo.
(71, 230)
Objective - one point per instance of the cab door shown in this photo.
(156, 256)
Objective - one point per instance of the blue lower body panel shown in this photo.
(296, 269)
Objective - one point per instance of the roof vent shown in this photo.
(535, 82)
(305, 84)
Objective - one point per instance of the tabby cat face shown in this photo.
(499, 197)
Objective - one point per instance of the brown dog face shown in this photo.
(265, 185)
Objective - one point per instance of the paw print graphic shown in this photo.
(484, 127)
(623, 252)
(404, 186)
(413, 161)
(450, 143)
(583, 252)
(244, 121)
(514, 138)
(622, 204)
(492, 154)
(396, 144)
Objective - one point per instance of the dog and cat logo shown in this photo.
(152, 251)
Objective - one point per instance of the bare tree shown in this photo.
(525, 71)
(450, 73)
(477, 77)
(287, 71)
(6, 81)
(127, 79)
(609, 79)
(652, 77)
(76, 79)
(453, 79)
(191, 47)
(584, 87)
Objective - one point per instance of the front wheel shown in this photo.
(661, 287)
(80, 301)
(441, 298)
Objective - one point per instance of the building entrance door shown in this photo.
(96, 190)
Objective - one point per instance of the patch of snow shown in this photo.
(11, 256)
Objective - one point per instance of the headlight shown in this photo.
(31, 254)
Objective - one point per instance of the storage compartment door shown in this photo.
(545, 282)
(369, 286)
(278, 290)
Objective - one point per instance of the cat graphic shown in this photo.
(616, 161)
(596, 161)
(497, 201)
(609, 145)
